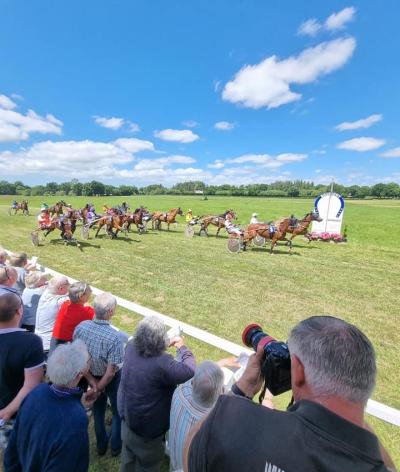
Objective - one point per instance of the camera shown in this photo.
(276, 364)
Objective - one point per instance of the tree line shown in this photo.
(294, 188)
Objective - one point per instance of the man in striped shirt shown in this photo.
(191, 402)
(107, 355)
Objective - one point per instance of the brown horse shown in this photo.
(111, 222)
(139, 218)
(216, 220)
(274, 232)
(169, 217)
(23, 206)
(301, 228)
(66, 224)
(57, 209)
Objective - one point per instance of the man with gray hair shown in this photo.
(190, 403)
(51, 430)
(55, 294)
(107, 353)
(333, 374)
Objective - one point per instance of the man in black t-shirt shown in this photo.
(333, 374)
(21, 361)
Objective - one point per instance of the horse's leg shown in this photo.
(101, 224)
(218, 230)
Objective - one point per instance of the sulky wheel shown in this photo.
(85, 231)
(35, 238)
(233, 245)
(259, 241)
(189, 231)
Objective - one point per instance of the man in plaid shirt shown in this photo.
(107, 354)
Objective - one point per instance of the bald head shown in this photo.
(8, 276)
(10, 308)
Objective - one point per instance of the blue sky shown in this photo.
(226, 91)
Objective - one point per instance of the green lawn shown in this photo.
(199, 282)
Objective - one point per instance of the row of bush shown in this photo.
(296, 188)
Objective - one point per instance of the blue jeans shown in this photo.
(99, 411)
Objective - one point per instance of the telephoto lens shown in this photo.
(276, 365)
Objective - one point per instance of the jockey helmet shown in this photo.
(254, 215)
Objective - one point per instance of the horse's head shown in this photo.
(314, 216)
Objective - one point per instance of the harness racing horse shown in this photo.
(57, 209)
(139, 218)
(216, 220)
(113, 221)
(66, 224)
(169, 217)
(302, 225)
(279, 229)
(23, 206)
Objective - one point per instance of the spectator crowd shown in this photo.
(62, 362)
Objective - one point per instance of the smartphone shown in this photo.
(34, 260)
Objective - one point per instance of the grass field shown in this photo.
(197, 281)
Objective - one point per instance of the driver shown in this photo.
(14, 204)
(231, 228)
(190, 218)
(44, 218)
(253, 219)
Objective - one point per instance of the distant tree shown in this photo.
(127, 190)
(76, 187)
(378, 190)
(51, 188)
(293, 192)
(7, 188)
(37, 190)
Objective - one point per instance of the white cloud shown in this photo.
(338, 20)
(395, 152)
(218, 164)
(334, 22)
(134, 145)
(261, 160)
(133, 127)
(362, 144)
(190, 123)
(363, 123)
(7, 103)
(15, 126)
(162, 162)
(177, 135)
(110, 123)
(289, 157)
(66, 158)
(267, 84)
(310, 27)
(224, 125)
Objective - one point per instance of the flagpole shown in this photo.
(329, 204)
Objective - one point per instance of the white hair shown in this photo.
(103, 304)
(338, 359)
(33, 279)
(207, 384)
(56, 282)
(66, 362)
(77, 290)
